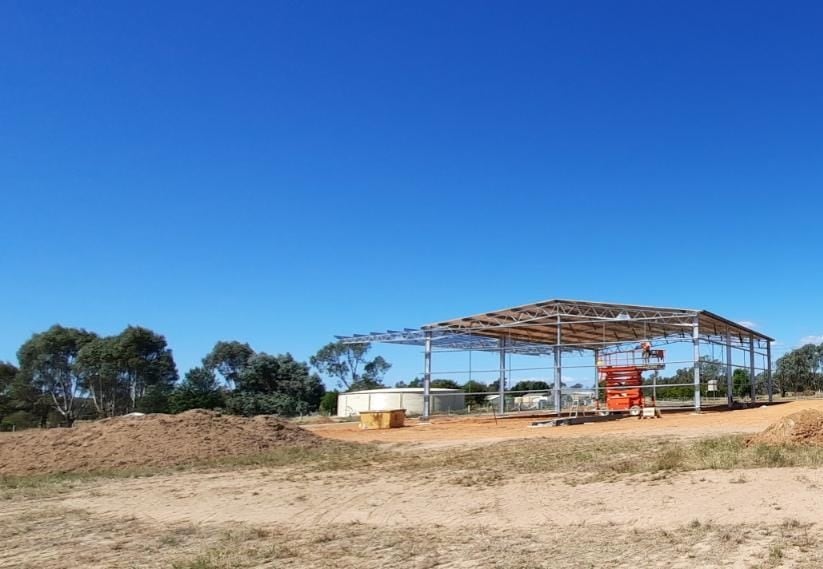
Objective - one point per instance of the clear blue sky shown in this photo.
(280, 172)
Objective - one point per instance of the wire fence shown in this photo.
(572, 400)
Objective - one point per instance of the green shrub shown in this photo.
(328, 404)
(250, 404)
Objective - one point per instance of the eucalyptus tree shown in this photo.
(229, 360)
(49, 367)
(344, 363)
(132, 370)
(8, 374)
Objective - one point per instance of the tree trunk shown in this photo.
(98, 405)
(132, 392)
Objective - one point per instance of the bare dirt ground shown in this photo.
(146, 441)
(273, 518)
(446, 431)
(261, 497)
(568, 497)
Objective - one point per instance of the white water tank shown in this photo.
(408, 398)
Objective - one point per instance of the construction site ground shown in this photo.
(455, 494)
(444, 430)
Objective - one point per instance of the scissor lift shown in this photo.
(621, 377)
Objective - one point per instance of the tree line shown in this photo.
(64, 374)
(67, 373)
(712, 373)
(799, 371)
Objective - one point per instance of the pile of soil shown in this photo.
(147, 440)
(801, 428)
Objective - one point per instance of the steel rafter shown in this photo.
(534, 328)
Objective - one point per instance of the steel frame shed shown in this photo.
(553, 327)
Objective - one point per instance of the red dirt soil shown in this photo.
(801, 428)
(147, 440)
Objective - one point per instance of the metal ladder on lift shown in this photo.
(575, 407)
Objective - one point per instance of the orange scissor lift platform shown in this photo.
(621, 376)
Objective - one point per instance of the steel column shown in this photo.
(558, 372)
(654, 387)
(696, 360)
(729, 382)
(769, 384)
(752, 370)
(596, 375)
(502, 380)
(427, 376)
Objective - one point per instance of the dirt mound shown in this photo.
(803, 427)
(147, 440)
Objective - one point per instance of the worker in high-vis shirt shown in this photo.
(647, 350)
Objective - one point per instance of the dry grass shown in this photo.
(599, 459)
(35, 534)
(49, 537)
(588, 459)
(332, 456)
(61, 538)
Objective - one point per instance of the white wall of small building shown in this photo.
(410, 399)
